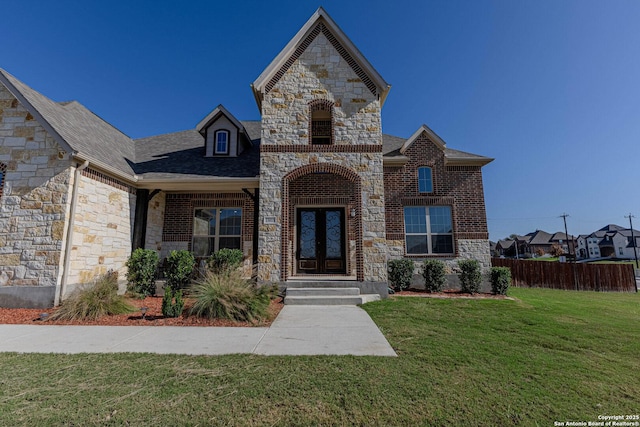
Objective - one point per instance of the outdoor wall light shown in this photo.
(353, 212)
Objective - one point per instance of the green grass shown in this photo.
(632, 262)
(548, 356)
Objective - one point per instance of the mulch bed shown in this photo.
(153, 316)
(448, 294)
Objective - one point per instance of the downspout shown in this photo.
(72, 214)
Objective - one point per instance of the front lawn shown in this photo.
(548, 356)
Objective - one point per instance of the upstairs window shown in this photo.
(321, 122)
(425, 180)
(221, 142)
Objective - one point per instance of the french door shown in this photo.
(321, 241)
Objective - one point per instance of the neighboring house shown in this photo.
(535, 242)
(312, 190)
(611, 241)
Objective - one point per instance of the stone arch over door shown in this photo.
(351, 198)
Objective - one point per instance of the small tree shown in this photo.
(400, 273)
(172, 304)
(434, 276)
(179, 268)
(500, 280)
(470, 277)
(556, 250)
(225, 259)
(141, 272)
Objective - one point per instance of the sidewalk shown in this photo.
(298, 330)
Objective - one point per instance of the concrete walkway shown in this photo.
(298, 330)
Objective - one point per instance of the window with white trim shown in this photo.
(215, 229)
(425, 180)
(428, 230)
(221, 142)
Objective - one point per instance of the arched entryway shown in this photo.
(322, 225)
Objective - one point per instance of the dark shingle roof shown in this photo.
(180, 155)
(80, 129)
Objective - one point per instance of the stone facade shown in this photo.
(320, 72)
(155, 222)
(34, 204)
(102, 228)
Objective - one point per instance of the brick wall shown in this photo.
(457, 186)
(177, 229)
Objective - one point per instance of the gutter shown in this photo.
(69, 238)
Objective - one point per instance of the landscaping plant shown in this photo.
(227, 295)
(500, 280)
(179, 268)
(172, 304)
(225, 259)
(94, 300)
(470, 277)
(433, 271)
(400, 273)
(141, 273)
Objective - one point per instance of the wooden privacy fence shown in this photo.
(570, 276)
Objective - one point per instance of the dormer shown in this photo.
(224, 135)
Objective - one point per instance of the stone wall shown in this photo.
(102, 228)
(320, 72)
(34, 204)
(155, 222)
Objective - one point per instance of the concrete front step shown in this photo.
(294, 284)
(310, 292)
(330, 299)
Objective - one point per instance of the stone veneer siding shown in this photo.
(34, 205)
(155, 222)
(457, 186)
(102, 228)
(318, 70)
(177, 229)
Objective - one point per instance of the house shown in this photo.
(611, 241)
(312, 190)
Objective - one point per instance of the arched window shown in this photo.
(321, 122)
(221, 142)
(425, 180)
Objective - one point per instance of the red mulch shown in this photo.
(153, 317)
(447, 294)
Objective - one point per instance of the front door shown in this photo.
(321, 241)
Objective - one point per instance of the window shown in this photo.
(216, 228)
(425, 181)
(321, 122)
(3, 168)
(428, 230)
(221, 142)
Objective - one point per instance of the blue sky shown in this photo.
(550, 89)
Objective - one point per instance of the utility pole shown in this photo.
(633, 239)
(566, 235)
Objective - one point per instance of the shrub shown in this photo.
(433, 273)
(171, 308)
(227, 295)
(500, 280)
(92, 301)
(141, 274)
(179, 268)
(225, 259)
(400, 273)
(470, 277)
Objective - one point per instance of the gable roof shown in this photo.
(214, 115)
(76, 129)
(320, 21)
(393, 149)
